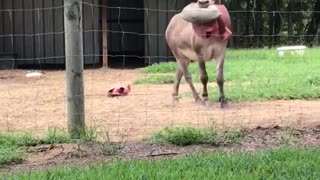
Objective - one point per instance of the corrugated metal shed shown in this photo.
(156, 20)
(136, 30)
(33, 31)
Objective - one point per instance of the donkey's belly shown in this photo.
(207, 53)
(210, 50)
(190, 54)
(197, 48)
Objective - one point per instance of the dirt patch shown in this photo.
(40, 103)
(263, 138)
(45, 157)
(251, 140)
(61, 153)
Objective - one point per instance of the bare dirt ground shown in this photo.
(40, 103)
(46, 157)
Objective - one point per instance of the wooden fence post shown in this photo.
(74, 66)
(104, 34)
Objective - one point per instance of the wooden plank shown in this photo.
(58, 37)
(38, 29)
(28, 27)
(104, 34)
(18, 30)
(48, 29)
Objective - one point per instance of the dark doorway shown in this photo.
(125, 21)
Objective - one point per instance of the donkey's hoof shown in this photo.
(199, 102)
(175, 101)
(223, 103)
(208, 103)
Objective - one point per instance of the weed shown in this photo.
(90, 134)
(108, 148)
(56, 136)
(288, 137)
(184, 136)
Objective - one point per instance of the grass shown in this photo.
(156, 79)
(255, 75)
(12, 144)
(184, 136)
(275, 164)
(108, 148)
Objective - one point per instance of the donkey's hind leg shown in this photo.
(204, 81)
(220, 80)
(176, 84)
(184, 63)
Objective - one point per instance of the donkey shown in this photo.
(201, 43)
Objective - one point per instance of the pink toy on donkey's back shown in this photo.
(201, 43)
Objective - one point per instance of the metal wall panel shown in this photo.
(38, 33)
(33, 30)
(157, 17)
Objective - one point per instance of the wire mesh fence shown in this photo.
(262, 88)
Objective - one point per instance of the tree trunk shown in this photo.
(248, 24)
(236, 22)
(313, 25)
(271, 22)
(274, 23)
(258, 27)
(277, 23)
(290, 28)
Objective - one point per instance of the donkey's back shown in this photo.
(194, 41)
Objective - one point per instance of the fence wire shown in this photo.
(39, 103)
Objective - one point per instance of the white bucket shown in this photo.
(292, 50)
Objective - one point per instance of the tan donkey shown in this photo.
(192, 35)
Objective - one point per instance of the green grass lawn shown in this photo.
(254, 75)
(275, 164)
